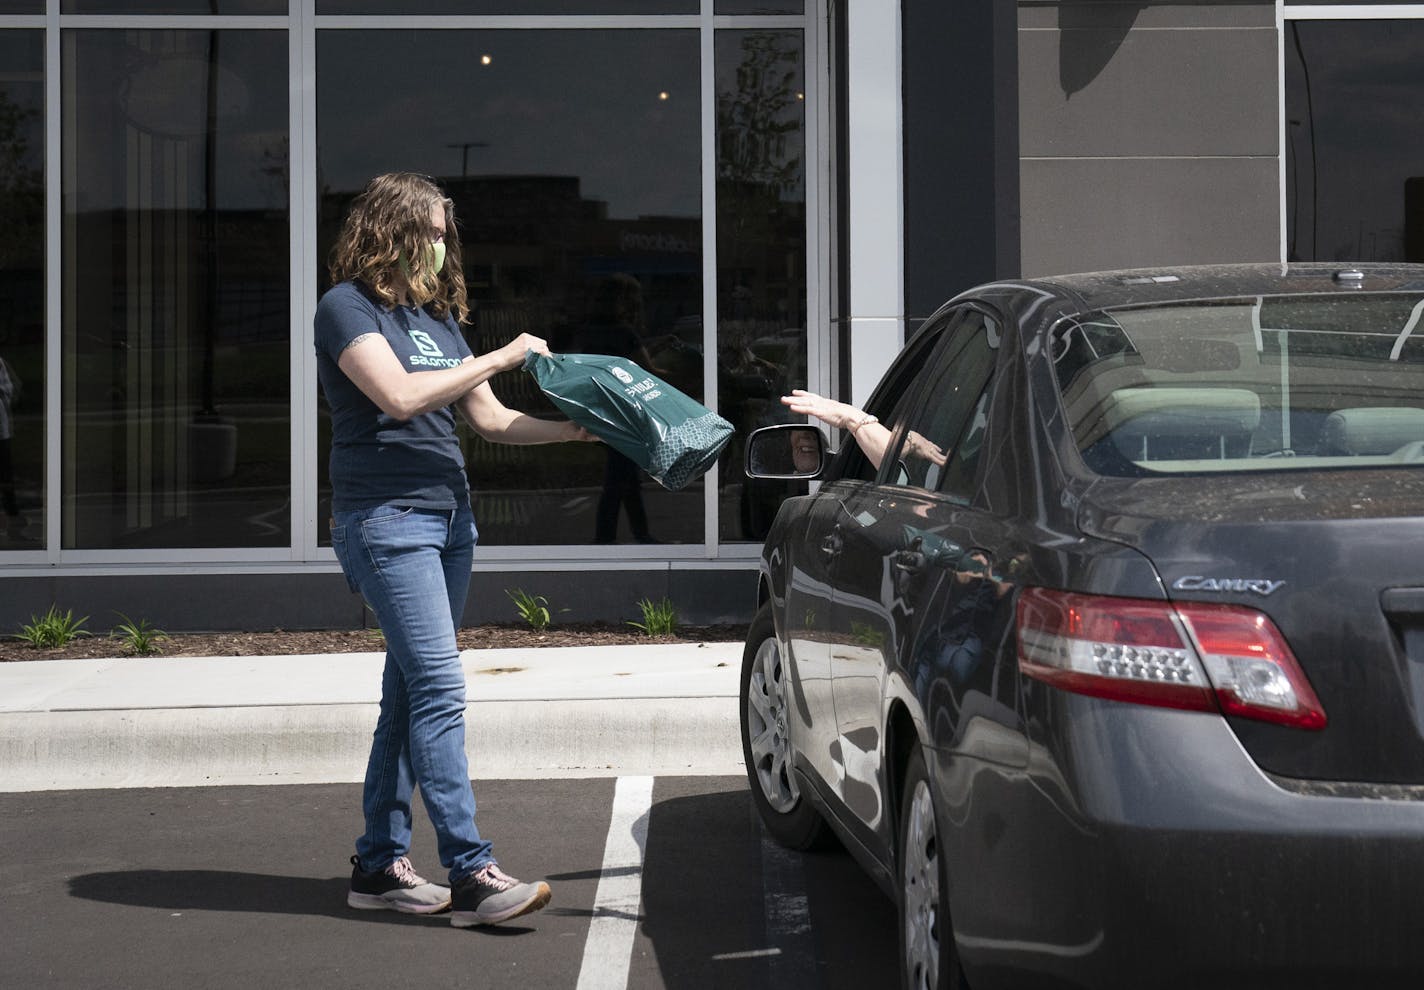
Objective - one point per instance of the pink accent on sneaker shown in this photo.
(401, 870)
(491, 874)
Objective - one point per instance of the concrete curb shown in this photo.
(540, 713)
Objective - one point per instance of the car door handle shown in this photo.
(1403, 603)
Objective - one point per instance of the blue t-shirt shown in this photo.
(377, 460)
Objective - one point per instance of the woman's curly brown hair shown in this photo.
(388, 223)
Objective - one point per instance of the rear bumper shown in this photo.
(1142, 847)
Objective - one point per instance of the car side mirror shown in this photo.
(787, 450)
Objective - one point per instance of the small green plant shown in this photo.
(140, 637)
(659, 618)
(533, 609)
(53, 628)
(866, 634)
(375, 626)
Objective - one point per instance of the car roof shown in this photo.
(1146, 286)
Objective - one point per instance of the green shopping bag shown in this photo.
(665, 432)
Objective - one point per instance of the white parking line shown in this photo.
(608, 951)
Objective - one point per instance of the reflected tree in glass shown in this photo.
(22, 327)
(761, 255)
(177, 319)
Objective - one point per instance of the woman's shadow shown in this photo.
(224, 890)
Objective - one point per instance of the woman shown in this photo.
(394, 368)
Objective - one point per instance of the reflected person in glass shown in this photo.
(395, 368)
(615, 326)
(9, 395)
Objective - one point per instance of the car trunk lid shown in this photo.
(1330, 559)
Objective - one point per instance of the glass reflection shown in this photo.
(176, 362)
(586, 7)
(578, 198)
(761, 257)
(274, 7)
(1354, 186)
(22, 326)
(760, 7)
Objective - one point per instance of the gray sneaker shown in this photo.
(396, 888)
(489, 896)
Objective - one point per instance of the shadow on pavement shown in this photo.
(221, 890)
(705, 902)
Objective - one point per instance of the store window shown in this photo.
(761, 255)
(573, 159)
(759, 7)
(22, 295)
(475, 7)
(175, 349)
(269, 7)
(1354, 153)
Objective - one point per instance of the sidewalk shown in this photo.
(182, 722)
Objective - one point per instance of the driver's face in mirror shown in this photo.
(805, 451)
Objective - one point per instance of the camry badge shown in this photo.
(1193, 582)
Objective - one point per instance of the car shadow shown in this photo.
(716, 894)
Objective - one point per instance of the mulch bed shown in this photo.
(283, 643)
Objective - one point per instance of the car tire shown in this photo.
(929, 959)
(766, 745)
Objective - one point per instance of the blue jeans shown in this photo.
(413, 568)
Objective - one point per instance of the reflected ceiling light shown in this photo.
(485, 60)
(800, 96)
(663, 95)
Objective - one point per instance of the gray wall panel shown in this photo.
(1081, 215)
(260, 602)
(1149, 135)
(1049, 14)
(1084, 93)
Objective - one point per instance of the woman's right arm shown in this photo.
(374, 368)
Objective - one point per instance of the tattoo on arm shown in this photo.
(357, 339)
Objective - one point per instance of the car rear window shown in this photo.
(1273, 383)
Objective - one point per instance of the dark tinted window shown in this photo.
(890, 400)
(590, 7)
(175, 347)
(578, 199)
(173, 6)
(761, 254)
(760, 7)
(944, 426)
(1261, 384)
(1354, 187)
(22, 292)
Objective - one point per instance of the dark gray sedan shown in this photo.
(1124, 686)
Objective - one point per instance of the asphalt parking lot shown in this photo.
(660, 882)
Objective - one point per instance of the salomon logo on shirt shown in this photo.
(430, 356)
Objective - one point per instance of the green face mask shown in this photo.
(437, 259)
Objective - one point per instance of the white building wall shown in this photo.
(876, 218)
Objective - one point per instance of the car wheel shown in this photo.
(928, 958)
(766, 743)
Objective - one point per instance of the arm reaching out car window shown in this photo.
(872, 435)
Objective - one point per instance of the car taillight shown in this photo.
(1189, 655)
